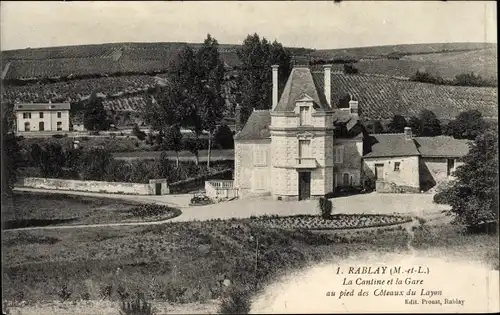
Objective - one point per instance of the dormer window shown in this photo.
(305, 115)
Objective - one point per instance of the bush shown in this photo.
(141, 135)
(137, 307)
(236, 302)
(350, 69)
(325, 206)
(59, 136)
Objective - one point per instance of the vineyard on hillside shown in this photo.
(126, 74)
(382, 97)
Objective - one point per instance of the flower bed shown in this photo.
(337, 222)
(152, 210)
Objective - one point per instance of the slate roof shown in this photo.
(441, 146)
(300, 83)
(257, 126)
(383, 97)
(42, 106)
(390, 145)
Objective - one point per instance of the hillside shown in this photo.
(126, 73)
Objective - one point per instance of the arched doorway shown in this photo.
(26, 126)
(41, 126)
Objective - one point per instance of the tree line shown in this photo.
(464, 79)
(467, 125)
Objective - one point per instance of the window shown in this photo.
(304, 148)
(27, 115)
(450, 167)
(339, 154)
(26, 126)
(396, 166)
(260, 157)
(59, 114)
(59, 126)
(40, 114)
(41, 126)
(304, 115)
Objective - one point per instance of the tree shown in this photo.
(375, 126)
(414, 123)
(397, 124)
(173, 140)
(257, 56)
(93, 163)
(208, 108)
(10, 152)
(50, 158)
(430, 125)
(95, 117)
(468, 125)
(474, 195)
(223, 137)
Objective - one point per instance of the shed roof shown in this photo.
(390, 145)
(442, 146)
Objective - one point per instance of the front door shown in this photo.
(304, 185)
(379, 171)
(158, 188)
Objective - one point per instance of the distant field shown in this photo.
(406, 49)
(482, 62)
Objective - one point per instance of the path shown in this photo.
(5, 70)
(409, 204)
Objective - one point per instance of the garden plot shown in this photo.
(46, 209)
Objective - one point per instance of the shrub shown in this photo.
(64, 293)
(59, 136)
(236, 302)
(350, 69)
(325, 206)
(137, 307)
(141, 135)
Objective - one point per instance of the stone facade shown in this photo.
(252, 166)
(404, 174)
(42, 117)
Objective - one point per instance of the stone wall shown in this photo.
(89, 186)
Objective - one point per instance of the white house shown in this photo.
(37, 117)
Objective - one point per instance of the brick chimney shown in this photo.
(354, 108)
(275, 86)
(408, 133)
(237, 117)
(328, 83)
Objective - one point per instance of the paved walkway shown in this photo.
(409, 204)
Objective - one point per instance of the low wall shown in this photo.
(386, 187)
(188, 185)
(89, 186)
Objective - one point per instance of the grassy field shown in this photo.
(185, 262)
(41, 209)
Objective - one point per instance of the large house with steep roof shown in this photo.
(305, 146)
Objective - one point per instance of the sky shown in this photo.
(311, 24)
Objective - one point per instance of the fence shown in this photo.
(220, 189)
